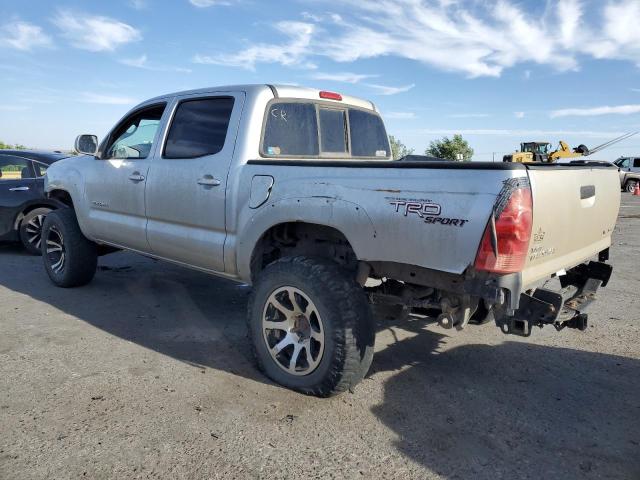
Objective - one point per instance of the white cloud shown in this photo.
(138, 4)
(90, 97)
(518, 114)
(387, 90)
(522, 133)
(400, 115)
(95, 33)
(23, 36)
(143, 62)
(290, 53)
(466, 36)
(344, 77)
(138, 62)
(468, 115)
(595, 111)
(14, 108)
(208, 3)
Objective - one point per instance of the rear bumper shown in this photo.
(562, 308)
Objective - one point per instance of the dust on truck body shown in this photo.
(294, 191)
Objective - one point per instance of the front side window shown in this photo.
(636, 163)
(133, 138)
(199, 128)
(368, 135)
(291, 129)
(333, 131)
(14, 168)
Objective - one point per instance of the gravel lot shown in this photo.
(146, 373)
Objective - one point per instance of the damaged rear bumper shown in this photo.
(563, 308)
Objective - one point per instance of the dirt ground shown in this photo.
(146, 373)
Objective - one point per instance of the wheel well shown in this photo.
(298, 238)
(28, 209)
(62, 196)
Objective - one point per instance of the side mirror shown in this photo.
(86, 144)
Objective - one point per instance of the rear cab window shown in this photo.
(309, 129)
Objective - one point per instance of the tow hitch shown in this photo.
(562, 309)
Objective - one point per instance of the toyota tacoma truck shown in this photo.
(294, 191)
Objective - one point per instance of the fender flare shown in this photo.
(347, 217)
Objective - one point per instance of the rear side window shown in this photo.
(199, 128)
(291, 129)
(636, 163)
(320, 130)
(368, 136)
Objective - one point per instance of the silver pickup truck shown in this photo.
(294, 191)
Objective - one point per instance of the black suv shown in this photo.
(23, 204)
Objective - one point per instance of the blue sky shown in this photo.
(499, 72)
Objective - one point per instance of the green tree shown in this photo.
(450, 148)
(399, 149)
(7, 146)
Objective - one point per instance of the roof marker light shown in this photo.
(331, 96)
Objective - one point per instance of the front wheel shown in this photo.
(630, 186)
(70, 259)
(31, 230)
(311, 326)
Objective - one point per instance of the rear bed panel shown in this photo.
(424, 215)
(574, 213)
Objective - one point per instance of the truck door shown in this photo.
(115, 186)
(185, 197)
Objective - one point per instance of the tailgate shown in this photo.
(575, 209)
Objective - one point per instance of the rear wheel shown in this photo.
(70, 259)
(630, 186)
(31, 230)
(311, 326)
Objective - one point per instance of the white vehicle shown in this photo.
(629, 168)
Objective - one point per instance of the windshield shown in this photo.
(622, 162)
(542, 148)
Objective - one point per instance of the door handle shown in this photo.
(208, 181)
(136, 177)
(19, 189)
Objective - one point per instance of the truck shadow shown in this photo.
(514, 410)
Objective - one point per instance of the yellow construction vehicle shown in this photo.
(541, 151)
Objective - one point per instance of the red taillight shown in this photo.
(331, 96)
(512, 235)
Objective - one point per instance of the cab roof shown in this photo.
(279, 91)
